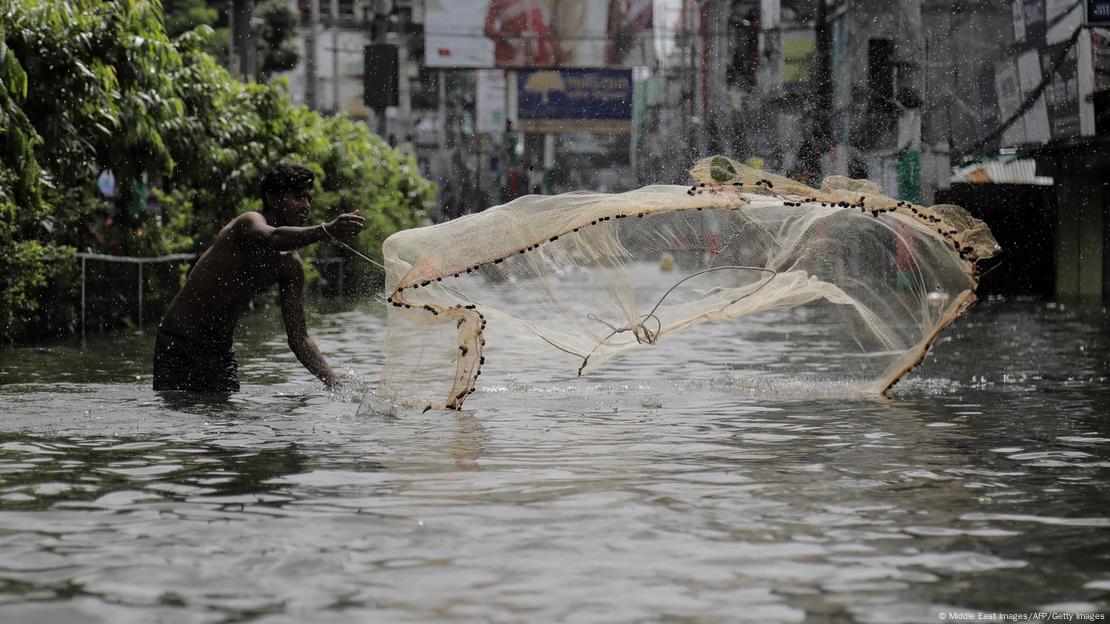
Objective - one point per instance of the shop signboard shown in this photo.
(490, 101)
(575, 100)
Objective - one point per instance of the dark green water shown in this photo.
(648, 492)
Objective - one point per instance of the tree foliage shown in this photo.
(183, 16)
(273, 30)
(91, 85)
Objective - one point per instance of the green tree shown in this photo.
(84, 89)
(273, 30)
(183, 16)
(91, 85)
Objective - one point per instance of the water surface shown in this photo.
(658, 489)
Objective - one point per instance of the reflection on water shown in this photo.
(655, 490)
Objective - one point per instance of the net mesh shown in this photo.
(593, 275)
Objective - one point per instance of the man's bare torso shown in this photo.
(223, 283)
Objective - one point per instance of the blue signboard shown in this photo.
(1098, 10)
(575, 100)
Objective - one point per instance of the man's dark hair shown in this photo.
(285, 178)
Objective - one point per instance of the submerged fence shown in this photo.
(138, 261)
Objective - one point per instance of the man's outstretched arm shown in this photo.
(291, 289)
(252, 227)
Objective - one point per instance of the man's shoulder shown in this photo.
(240, 227)
(250, 217)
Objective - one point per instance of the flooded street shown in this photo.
(740, 221)
(658, 489)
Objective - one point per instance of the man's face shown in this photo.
(292, 208)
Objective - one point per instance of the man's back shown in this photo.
(225, 279)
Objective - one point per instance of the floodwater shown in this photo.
(647, 492)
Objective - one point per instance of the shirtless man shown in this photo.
(254, 251)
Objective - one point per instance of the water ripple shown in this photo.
(665, 488)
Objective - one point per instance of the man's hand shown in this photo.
(346, 226)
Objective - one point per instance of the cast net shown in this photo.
(592, 275)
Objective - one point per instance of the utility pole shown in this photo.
(702, 96)
(721, 107)
(818, 138)
(690, 89)
(335, 56)
(909, 53)
(310, 55)
(770, 46)
(232, 57)
(441, 124)
(823, 92)
(404, 93)
(770, 75)
(379, 29)
(241, 52)
(700, 69)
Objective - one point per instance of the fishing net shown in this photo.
(592, 275)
